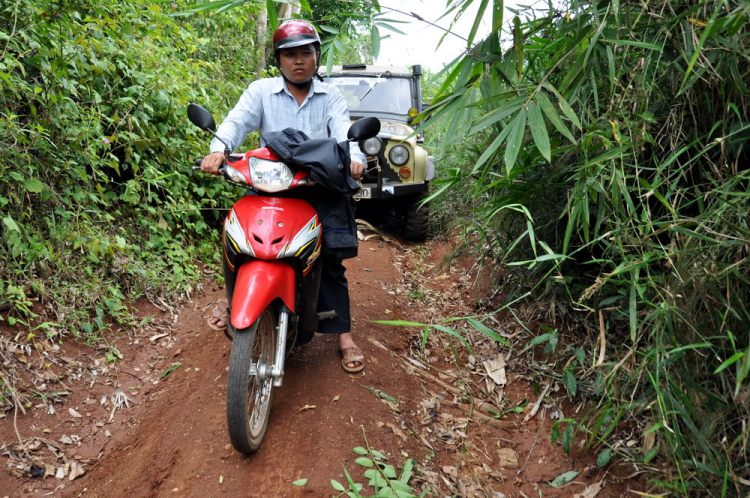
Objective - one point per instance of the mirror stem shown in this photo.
(226, 146)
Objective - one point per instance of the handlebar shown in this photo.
(198, 163)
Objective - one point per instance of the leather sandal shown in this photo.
(220, 318)
(352, 355)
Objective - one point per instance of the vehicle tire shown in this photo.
(248, 396)
(417, 220)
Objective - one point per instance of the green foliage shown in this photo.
(622, 129)
(99, 205)
(383, 478)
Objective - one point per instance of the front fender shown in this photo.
(258, 283)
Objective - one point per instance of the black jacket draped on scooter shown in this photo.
(328, 163)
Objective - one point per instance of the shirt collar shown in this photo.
(280, 86)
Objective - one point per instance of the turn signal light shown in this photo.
(404, 172)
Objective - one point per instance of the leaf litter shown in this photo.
(36, 375)
(469, 401)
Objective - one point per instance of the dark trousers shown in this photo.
(334, 295)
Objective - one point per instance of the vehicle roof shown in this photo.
(363, 69)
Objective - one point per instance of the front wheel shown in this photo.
(417, 222)
(250, 384)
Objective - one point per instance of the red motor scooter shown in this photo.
(271, 248)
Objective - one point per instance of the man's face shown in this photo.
(298, 63)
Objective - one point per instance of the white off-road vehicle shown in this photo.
(399, 169)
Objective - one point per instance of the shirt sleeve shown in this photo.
(244, 118)
(339, 122)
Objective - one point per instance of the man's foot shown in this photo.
(219, 319)
(352, 359)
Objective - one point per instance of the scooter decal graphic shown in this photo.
(302, 239)
(235, 236)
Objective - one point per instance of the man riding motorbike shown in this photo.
(295, 100)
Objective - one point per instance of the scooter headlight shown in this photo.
(399, 155)
(270, 176)
(372, 146)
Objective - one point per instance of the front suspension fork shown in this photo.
(274, 370)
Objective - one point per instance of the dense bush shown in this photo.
(618, 153)
(98, 201)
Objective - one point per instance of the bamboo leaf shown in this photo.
(477, 21)
(549, 110)
(515, 137)
(564, 106)
(487, 331)
(273, 18)
(610, 154)
(490, 151)
(375, 42)
(633, 43)
(455, 334)
(539, 130)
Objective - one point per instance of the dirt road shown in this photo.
(152, 424)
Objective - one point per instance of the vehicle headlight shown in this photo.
(372, 146)
(270, 176)
(399, 155)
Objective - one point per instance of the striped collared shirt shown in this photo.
(267, 105)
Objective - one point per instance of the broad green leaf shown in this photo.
(517, 127)
(604, 457)
(571, 385)
(565, 478)
(33, 185)
(390, 472)
(337, 485)
(359, 450)
(328, 29)
(300, 482)
(538, 130)
(364, 462)
(406, 472)
(11, 224)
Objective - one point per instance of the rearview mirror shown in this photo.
(201, 118)
(363, 129)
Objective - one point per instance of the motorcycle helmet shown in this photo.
(294, 33)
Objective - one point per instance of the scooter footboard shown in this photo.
(258, 283)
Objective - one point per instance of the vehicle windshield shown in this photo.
(369, 94)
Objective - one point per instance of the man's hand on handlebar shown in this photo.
(212, 162)
(357, 170)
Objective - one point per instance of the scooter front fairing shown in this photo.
(267, 230)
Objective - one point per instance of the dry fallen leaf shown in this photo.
(507, 458)
(591, 491)
(74, 413)
(307, 407)
(336, 399)
(496, 370)
(397, 431)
